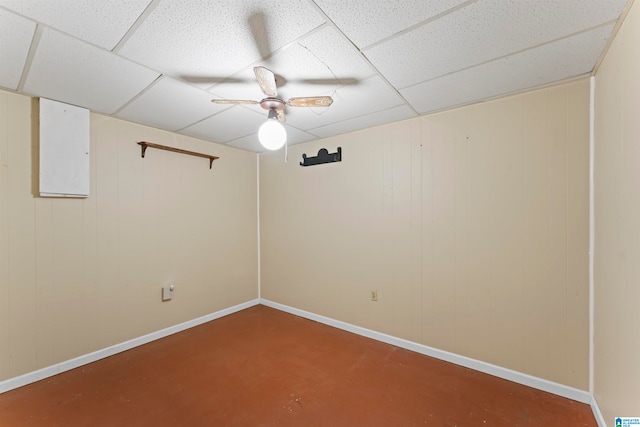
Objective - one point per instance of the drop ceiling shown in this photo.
(160, 62)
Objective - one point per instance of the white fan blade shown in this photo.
(310, 101)
(233, 101)
(266, 80)
(281, 117)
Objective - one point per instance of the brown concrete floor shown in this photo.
(263, 367)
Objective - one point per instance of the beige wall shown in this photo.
(79, 275)
(471, 224)
(617, 225)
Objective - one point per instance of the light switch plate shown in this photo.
(167, 293)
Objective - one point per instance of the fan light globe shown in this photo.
(272, 134)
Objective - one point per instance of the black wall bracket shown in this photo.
(323, 157)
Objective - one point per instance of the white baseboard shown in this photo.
(508, 374)
(49, 371)
(497, 371)
(596, 412)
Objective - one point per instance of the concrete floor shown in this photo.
(263, 367)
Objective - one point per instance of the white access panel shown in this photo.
(64, 150)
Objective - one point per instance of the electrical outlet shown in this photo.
(374, 295)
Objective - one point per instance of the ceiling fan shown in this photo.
(272, 134)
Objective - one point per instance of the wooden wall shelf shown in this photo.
(144, 145)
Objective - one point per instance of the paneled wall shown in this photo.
(77, 275)
(617, 225)
(471, 225)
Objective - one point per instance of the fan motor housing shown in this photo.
(272, 104)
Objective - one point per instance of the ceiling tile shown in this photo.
(16, 34)
(315, 65)
(99, 22)
(68, 70)
(216, 128)
(203, 38)
(366, 97)
(483, 31)
(394, 114)
(170, 104)
(365, 24)
(565, 58)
